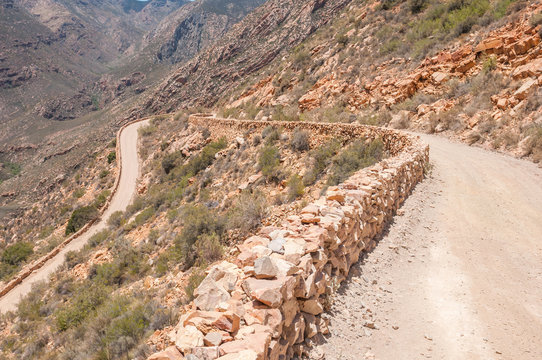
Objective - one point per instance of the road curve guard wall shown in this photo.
(269, 302)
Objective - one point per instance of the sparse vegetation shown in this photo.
(357, 156)
(112, 156)
(269, 161)
(321, 158)
(300, 140)
(248, 212)
(295, 187)
(199, 224)
(12, 256)
(80, 217)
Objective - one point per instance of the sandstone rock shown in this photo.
(490, 46)
(439, 77)
(207, 321)
(534, 68)
(247, 257)
(309, 219)
(466, 65)
(242, 355)
(265, 268)
(209, 295)
(294, 249)
(526, 88)
(312, 306)
(502, 103)
(257, 342)
(170, 353)
(187, 338)
(284, 268)
(268, 292)
(277, 245)
(262, 315)
(212, 339)
(204, 353)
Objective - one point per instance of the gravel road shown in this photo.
(459, 273)
(121, 199)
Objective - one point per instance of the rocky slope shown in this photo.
(265, 34)
(68, 71)
(194, 27)
(481, 83)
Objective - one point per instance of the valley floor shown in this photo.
(458, 275)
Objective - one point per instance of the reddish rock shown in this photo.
(171, 353)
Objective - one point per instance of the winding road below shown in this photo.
(121, 199)
(459, 273)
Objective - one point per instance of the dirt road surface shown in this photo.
(458, 275)
(122, 198)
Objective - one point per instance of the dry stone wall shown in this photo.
(270, 302)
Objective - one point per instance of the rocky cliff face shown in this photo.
(271, 30)
(195, 26)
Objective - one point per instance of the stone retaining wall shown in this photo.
(269, 303)
(37, 264)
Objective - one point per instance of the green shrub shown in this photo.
(198, 220)
(147, 130)
(87, 299)
(199, 162)
(78, 193)
(490, 64)
(112, 156)
(321, 158)
(101, 199)
(116, 219)
(143, 216)
(269, 161)
(295, 187)
(536, 19)
(170, 161)
(194, 281)
(248, 212)
(357, 156)
(341, 39)
(271, 135)
(17, 253)
(103, 173)
(535, 142)
(300, 140)
(208, 248)
(73, 258)
(80, 217)
(99, 237)
(417, 6)
(128, 266)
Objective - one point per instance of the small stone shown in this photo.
(265, 268)
(212, 339)
(170, 353)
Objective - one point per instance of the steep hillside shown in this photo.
(69, 70)
(194, 27)
(265, 34)
(205, 189)
(469, 69)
